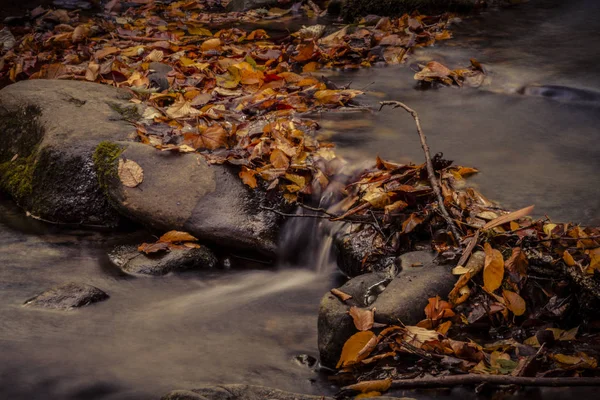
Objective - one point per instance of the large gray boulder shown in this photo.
(48, 132)
(183, 192)
(398, 300)
(132, 261)
(67, 296)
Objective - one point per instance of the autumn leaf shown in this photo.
(211, 138)
(493, 269)
(411, 223)
(150, 248)
(105, 52)
(130, 173)
(568, 259)
(247, 176)
(503, 219)
(181, 109)
(177, 236)
(363, 318)
(438, 309)
(354, 346)
(514, 302)
(91, 73)
(371, 386)
(211, 44)
(340, 295)
(279, 159)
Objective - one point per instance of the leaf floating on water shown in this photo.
(355, 349)
(493, 270)
(130, 173)
(177, 236)
(363, 318)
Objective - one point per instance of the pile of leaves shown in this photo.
(232, 94)
(525, 297)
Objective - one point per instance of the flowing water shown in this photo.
(246, 325)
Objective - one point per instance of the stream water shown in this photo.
(243, 325)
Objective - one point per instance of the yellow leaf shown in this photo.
(353, 347)
(130, 173)
(493, 269)
(177, 236)
(548, 228)
(466, 171)
(363, 318)
(377, 197)
(443, 327)
(568, 259)
(198, 31)
(211, 44)
(181, 109)
(514, 302)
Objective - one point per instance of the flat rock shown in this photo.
(238, 392)
(131, 261)
(48, 132)
(401, 299)
(182, 192)
(68, 296)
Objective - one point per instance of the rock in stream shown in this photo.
(67, 296)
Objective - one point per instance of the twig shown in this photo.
(475, 379)
(430, 171)
(293, 215)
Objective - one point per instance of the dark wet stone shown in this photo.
(238, 392)
(352, 9)
(131, 261)
(402, 298)
(67, 296)
(561, 93)
(355, 255)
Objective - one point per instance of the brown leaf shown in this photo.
(438, 309)
(340, 295)
(455, 295)
(517, 264)
(211, 44)
(568, 259)
(105, 52)
(181, 109)
(211, 138)
(508, 217)
(411, 223)
(150, 248)
(363, 318)
(354, 346)
(279, 159)
(177, 236)
(514, 302)
(493, 270)
(130, 173)
(91, 73)
(371, 386)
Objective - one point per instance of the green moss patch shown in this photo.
(105, 159)
(16, 177)
(130, 113)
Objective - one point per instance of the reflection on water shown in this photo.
(530, 150)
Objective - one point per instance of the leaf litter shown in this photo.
(525, 289)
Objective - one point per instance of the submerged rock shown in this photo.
(68, 296)
(48, 132)
(238, 392)
(182, 192)
(131, 261)
(401, 299)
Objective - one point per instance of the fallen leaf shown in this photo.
(279, 159)
(177, 236)
(354, 346)
(514, 302)
(568, 259)
(503, 219)
(181, 109)
(493, 270)
(247, 176)
(371, 386)
(105, 52)
(150, 248)
(340, 295)
(130, 173)
(363, 318)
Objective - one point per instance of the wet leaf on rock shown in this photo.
(356, 348)
(176, 236)
(363, 318)
(340, 295)
(130, 173)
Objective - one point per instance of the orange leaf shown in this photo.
(105, 52)
(340, 295)
(177, 236)
(149, 248)
(371, 386)
(568, 259)
(354, 349)
(493, 270)
(247, 176)
(363, 318)
(514, 302)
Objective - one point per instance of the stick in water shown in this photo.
(432, 179)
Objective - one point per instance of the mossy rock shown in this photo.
(49, 131)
